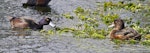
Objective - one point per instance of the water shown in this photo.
(12, 41)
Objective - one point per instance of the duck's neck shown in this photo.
(36, 27)
(33, 25)
(119, 27)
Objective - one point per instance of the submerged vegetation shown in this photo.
(91, 20)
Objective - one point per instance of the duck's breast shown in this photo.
(117, 34)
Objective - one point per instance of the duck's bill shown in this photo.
(112, 25)
(52, 24)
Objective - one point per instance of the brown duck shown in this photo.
(120, 32)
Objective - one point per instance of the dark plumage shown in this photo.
(24, 22)
(37, 2)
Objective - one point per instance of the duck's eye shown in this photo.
(47, 19)
(115, 21)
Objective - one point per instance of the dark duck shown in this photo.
(37, 2)
(24, 22)
(120, 32)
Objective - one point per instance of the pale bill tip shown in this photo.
(51, 24)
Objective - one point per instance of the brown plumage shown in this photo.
(18, 23)
(122, 33)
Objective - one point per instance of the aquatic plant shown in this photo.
(68, 16)
(47, 32)
(147, 36)
(79, 10)
(128, 6)
(92, 18)
(109, 18)
(118, 42)
(136, 26)
(89, 25)
(145, 42)
(132, 41)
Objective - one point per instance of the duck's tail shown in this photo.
(10, 17)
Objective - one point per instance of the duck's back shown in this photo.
(32, 24)
(131, 33)
(18, 23)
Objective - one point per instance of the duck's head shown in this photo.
(46, 21)
(117, 24)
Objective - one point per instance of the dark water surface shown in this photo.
(35, 42)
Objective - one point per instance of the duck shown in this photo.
(37, 2)
(121, 32)
(26, 22)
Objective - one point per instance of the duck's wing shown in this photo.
(131, 33)
(126, 32)
(120, 33)
(31, 23)
(129, 30)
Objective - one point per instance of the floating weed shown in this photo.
(128, 6)
(50, 32)
(90, 24)
(68, 16)
(141, 30)
(109, 18)
(81, 13)
(118, 42)
(128, 20)
(145, 42)
(108, 5)
(147, 36)
(65, 30)
(136, 26)
(79, 10)
(132, 41)
(80, 34)
(90, 32)
(82, 17)
(97, 36)
(42, 31)
(47, 32)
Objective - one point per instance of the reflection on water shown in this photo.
(21, 32)
(9, 32)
